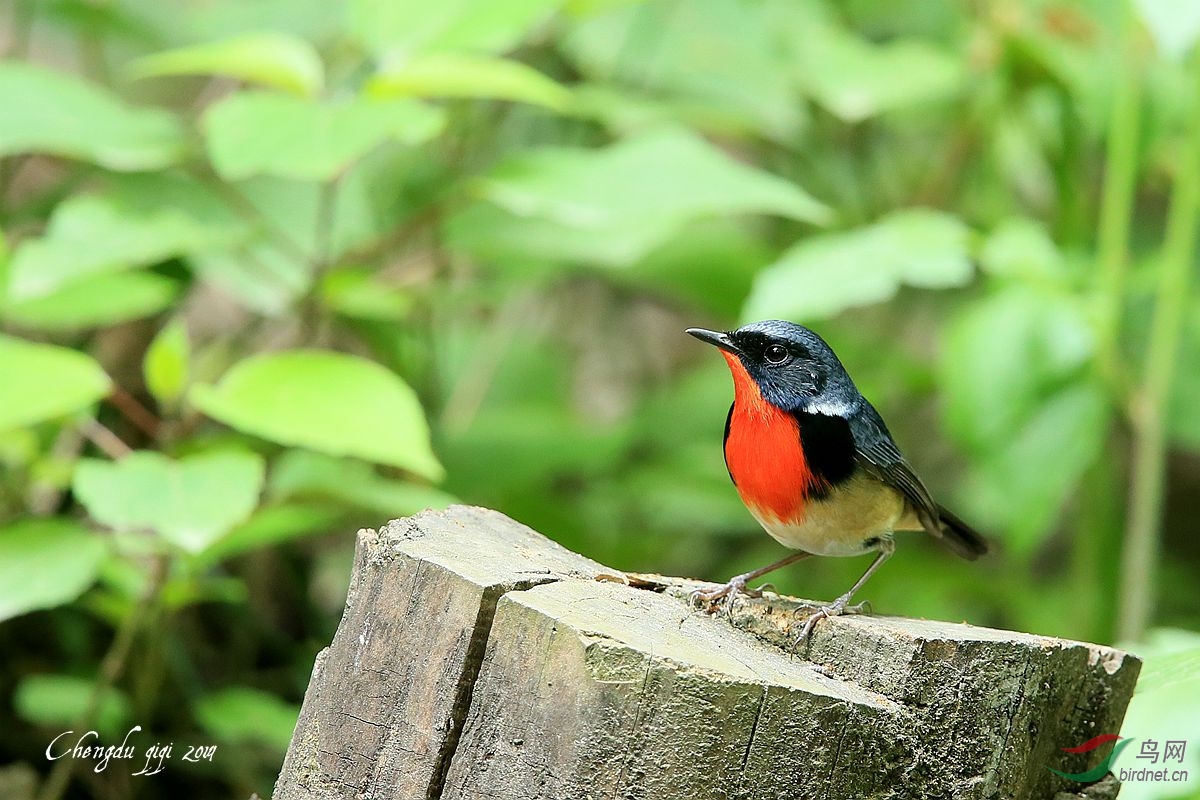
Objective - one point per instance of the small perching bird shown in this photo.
(814, 463)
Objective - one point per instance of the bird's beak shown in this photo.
(716, 338)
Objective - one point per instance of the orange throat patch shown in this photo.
(764, 454)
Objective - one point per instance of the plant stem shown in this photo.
(313, 317)
(1139, 557)
(1097, 527)
(108, 442)
(111, 669)
(1069, 176)
(132, 409)
(469, 393)
(1116, 205)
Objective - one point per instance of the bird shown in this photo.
(815, 464)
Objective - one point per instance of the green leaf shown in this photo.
(273, 525)
(43, 382)
(59, 701)
(241, 716)
(670, 174)
(614, 205)
(1020, 248)
(186, 23)
(692, 61)
(1170, 670)
(824, 275)
(165, 365)
(491, 234)
(74, 119)
(263, 277)
(267, 274)
(190, 502)
(45, 563)
(710, 264)
(460, 25)
(303, 474)
(1166, 702)
(360, 293)
(1063, 436)
(625, 111)
(1174, 24)
(1003, 356)
(1071, 64)
(330, 402)
(856, 80)
(89, 235)
(461, 75)
(255, 132)
(277, 60)
(1017, 393)
(361, 216)
(95, 302)
(190, 590)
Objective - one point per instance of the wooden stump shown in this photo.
(477, 659)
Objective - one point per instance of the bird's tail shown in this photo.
(961, 537)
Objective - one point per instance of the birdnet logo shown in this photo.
(1172, 750)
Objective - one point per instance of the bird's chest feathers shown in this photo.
(764, 455)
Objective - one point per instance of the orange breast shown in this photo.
(763, 453)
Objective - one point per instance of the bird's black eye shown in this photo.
(776, 354)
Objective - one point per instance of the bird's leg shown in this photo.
(737, 584)
(842, 604)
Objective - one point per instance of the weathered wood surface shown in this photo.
(477, 659)
(386, 700)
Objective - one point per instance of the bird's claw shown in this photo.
(727, 592)
(838, 608)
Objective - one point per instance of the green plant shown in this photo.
(277, 270)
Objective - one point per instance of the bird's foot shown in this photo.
(728, 592)
(837, 608)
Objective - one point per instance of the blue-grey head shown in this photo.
(794, 368)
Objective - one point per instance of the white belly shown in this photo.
(840, 525)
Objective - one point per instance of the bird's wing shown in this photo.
(877, 453)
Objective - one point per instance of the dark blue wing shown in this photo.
(877, 453)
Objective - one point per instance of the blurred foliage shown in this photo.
(275, 270)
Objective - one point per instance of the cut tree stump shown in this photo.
(478, 659)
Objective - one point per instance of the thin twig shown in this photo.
(111, 669)
(325, 221)
(312, 317)
(1139, 558)
(390, 240)
(132, 409)
(471, 390)
(108, 442)
(1098, 528)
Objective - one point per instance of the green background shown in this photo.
(276, 270)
